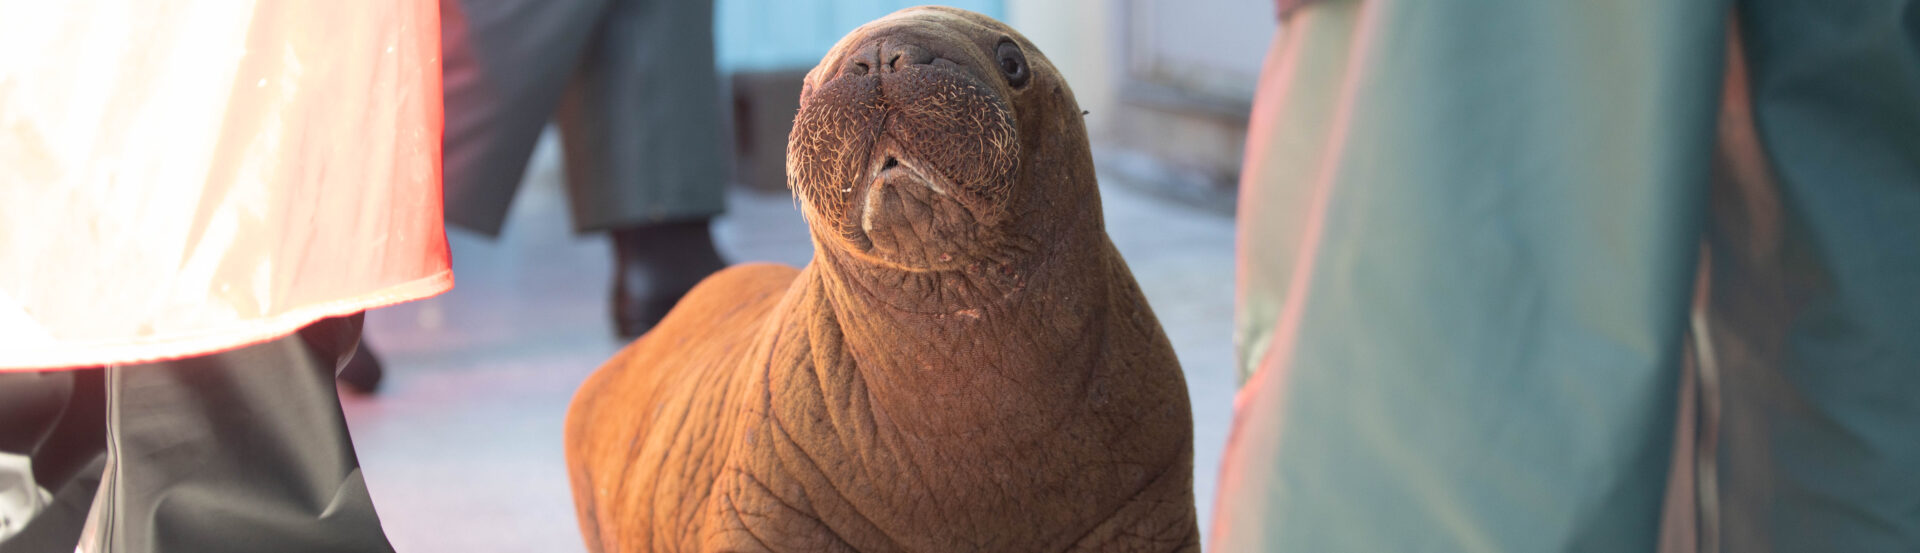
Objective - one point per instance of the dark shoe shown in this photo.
(363, 372)
(654, 265)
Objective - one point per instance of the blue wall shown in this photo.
(787, 34)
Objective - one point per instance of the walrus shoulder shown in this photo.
(723, 310)
(615, 424)
(722, 307)
(729, 292)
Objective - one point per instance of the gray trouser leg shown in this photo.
(637, 96)
(641, 119)
(505, 64)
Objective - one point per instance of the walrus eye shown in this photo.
(1013, 63)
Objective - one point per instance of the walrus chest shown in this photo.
(825, 462)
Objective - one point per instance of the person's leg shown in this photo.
(239, 451)
(642, 126)
(31, 404)
(1816, 291)
(506, 63)
(1477, 328)
(58, 421)
(364, 372)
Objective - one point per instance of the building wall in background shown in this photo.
(765, 47)
(1169, 84)
(1207, 48)
(773, 35)
(1077, 36)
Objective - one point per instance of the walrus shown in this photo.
(966, 364)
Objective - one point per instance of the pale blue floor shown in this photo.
(462, 447)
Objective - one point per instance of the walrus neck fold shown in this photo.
(1030, 335)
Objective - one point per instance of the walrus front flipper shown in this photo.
(656, 408)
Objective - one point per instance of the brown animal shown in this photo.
(965, 365)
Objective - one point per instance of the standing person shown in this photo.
(1471, 235)
(202, 199)
(633, 86)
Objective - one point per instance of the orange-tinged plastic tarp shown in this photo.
(181, 177)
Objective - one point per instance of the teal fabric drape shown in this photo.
(1469, 240)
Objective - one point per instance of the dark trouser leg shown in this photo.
(1815, 309)
(244, 450)
(32, 403)
(506, 63)
(641, 119)
(363, 372)
(58, 419)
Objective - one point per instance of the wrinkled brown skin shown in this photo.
(967, 371)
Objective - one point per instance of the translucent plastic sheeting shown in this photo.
(187, 176)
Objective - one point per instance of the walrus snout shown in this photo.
(888, 55)
(905, 148)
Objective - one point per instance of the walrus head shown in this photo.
(927, 140)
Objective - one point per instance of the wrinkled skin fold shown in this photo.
(965, 365)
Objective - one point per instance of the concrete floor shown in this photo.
(461, 448)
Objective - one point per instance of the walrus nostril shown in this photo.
(900, 55)
(861, 62)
